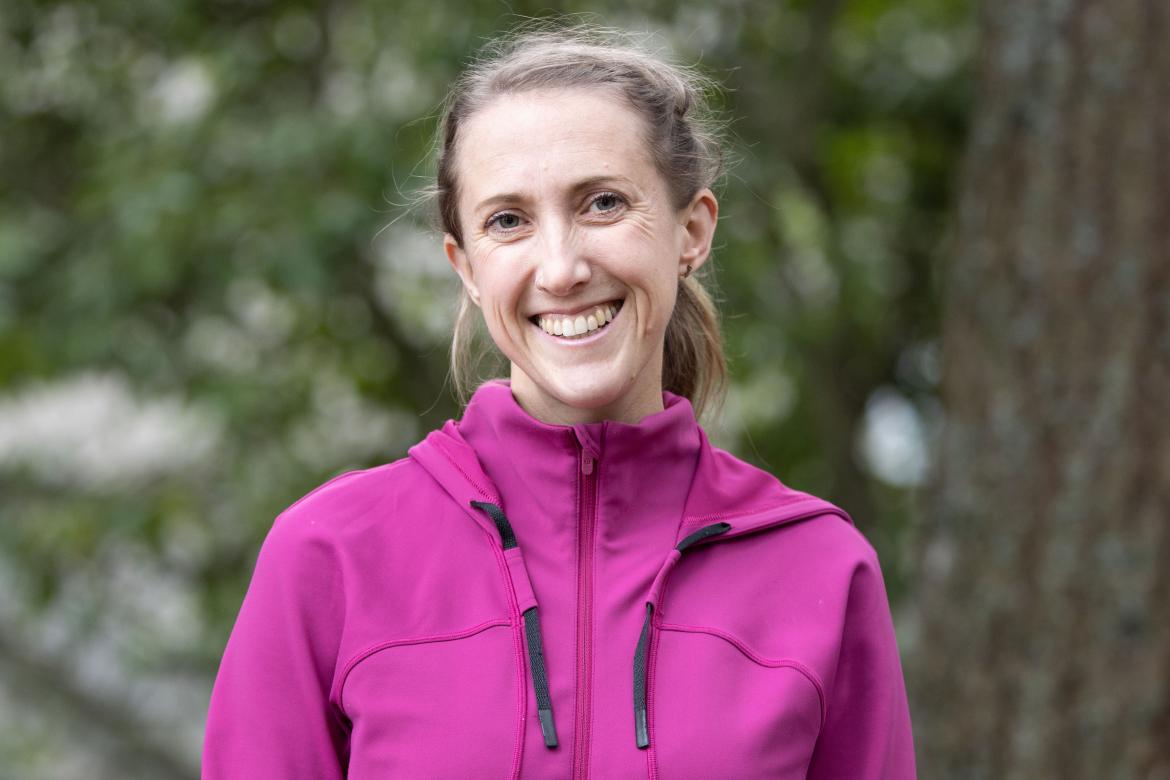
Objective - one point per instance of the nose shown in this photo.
(562, 263)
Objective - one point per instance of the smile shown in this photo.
(582, 328)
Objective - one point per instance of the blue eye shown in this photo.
(504, 221)
(607, 201)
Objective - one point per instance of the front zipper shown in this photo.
(587, 513)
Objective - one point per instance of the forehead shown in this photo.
(544, 137)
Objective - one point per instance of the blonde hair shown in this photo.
(681, 135)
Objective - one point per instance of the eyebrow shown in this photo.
(577, 187)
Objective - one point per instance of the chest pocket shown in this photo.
(440, 707)
(716, 706)
(726, 712)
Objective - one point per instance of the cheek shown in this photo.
(500, 295)
(654, 299)
(667, 295)
(497, 284)
(634, 251)
(501, 311)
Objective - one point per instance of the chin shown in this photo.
(592, 396)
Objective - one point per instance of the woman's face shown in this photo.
(563, 213)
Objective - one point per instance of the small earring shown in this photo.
(687, 272)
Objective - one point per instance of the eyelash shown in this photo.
(494, 218)
(621, 201)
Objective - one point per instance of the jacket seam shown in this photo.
(592, 660)
(651, 729)
(689, 519)
(318, 489)
(338, 478)
(362, 655)
(737, 513)
(458, 467)
(772, 663)
(592, 612)
(518, 639)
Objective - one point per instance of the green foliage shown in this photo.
(205, 218)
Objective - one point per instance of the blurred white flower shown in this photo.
(183, 91)
(930, 55)
(893, 439)
(345, 427)
(414, 283)
(91, 431)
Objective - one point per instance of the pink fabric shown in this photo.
(381, 635)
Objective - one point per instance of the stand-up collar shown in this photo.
(660, 473)
(648, 465)
(667, 435)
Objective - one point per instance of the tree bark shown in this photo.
(1043, 641)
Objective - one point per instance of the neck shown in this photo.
(631, 407)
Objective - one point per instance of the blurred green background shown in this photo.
(214, 295)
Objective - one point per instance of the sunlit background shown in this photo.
(217, 289)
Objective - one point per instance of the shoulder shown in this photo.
(843, 567)
(321, 518)
(832, 534)
(343, 497)
(815, 528)
(822, 559)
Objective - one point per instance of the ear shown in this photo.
(458, 259)
(698, 223)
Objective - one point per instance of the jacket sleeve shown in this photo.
(270, 714)
(867, 734)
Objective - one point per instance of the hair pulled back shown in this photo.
(680, 135)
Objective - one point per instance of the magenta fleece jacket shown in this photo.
(516, 599)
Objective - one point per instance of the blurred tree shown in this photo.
(1045, 644)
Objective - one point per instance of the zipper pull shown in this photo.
(586, 463)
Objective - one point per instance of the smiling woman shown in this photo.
(586, 123)
(570, 580)
(560, 212)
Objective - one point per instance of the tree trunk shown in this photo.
(1043, 647)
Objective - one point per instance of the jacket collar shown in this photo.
(664, 466)
(646, 467)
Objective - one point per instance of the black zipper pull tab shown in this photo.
(641, 731)
(641, 734)
(536, 667)
(544, 713)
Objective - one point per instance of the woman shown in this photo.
(570, 581)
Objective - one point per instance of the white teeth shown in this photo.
(582, 323)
